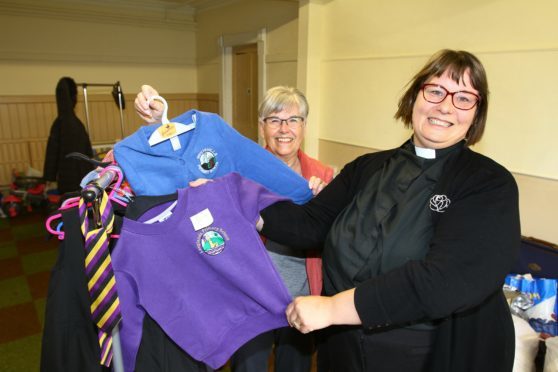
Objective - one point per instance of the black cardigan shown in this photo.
(458, 283)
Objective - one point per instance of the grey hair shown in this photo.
(283, 97)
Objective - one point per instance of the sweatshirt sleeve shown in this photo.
(250, 197)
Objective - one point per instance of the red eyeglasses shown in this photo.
(462, 99)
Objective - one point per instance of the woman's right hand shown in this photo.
(152, 112)
(316, 184)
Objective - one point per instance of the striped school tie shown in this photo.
(105, 306)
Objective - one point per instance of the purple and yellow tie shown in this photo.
(105, 306)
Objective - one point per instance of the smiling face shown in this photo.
(441, 125)
(284, 141)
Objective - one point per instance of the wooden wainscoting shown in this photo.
(25, 123)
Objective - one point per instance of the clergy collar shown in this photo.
(435, 153)
(425, 153)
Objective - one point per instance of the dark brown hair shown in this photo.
(457, 63)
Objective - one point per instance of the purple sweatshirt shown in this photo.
(202, 274)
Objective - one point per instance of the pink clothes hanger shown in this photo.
(110, 176)
(48, 224)
(66, 204)
(58, 231)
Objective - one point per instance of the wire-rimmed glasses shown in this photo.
(292, 122)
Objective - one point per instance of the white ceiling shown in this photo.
(160, 13)
(173, 4)
(156, 5)
(197, 5)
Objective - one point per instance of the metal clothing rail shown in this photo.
(118, 96)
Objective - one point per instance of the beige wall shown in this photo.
(39, 47)
(278, 18)
(366, 51)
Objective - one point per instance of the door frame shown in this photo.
(226, 43)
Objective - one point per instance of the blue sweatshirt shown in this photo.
(211, 150)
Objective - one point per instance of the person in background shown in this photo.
(282, 123)
(67, 134)
(283, 117)
(417, 239)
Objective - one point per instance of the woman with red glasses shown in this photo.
(417, 240)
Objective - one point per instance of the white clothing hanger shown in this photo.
(168, 130)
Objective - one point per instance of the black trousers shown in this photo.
(351, 349)
(293, 352)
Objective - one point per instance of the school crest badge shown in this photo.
(212, 241)
(207, 161)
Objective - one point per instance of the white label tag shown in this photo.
(164, 216)
(202, 219)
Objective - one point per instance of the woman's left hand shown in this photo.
(150, 111)
(309, 313)
(316, 184)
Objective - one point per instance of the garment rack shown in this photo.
(118, 96)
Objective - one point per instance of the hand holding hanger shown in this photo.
(150, 111)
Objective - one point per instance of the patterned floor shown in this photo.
(26, 258)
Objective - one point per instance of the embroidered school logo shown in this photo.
(439, 203)
(207, 159)
(211, 240)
